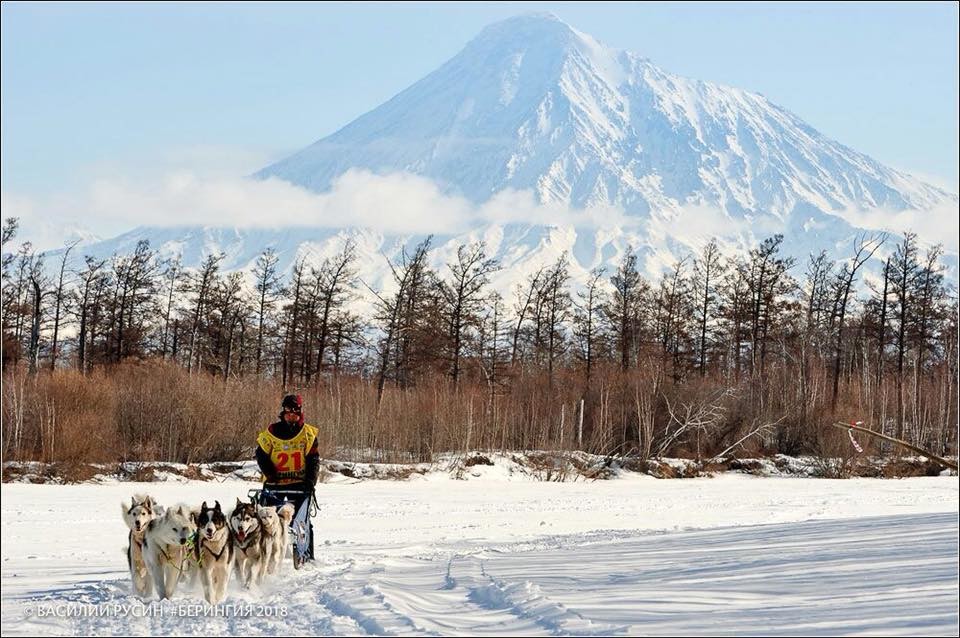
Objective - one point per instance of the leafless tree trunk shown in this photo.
(863, 250)
(267, 280)
(622, 309)
(706, 271)
(58, 302)
(38, 284)
(336, 283)
(203, 282)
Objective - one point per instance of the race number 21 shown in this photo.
(283, 459)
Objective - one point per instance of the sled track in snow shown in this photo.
(891, 574)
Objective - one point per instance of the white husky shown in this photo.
(274, 535)
(213, 552)
(246, 530)
(137, 516)
(167, 545)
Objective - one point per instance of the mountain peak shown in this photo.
(533, 104)
(541, 20)
(524, 31)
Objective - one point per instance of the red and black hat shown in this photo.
(292, 403)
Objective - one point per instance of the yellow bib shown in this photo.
(289, 456)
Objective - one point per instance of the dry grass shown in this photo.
(156, 411)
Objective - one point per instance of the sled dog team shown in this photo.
(180, 543)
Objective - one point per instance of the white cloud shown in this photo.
(939, 225)
(393, 203)
(39, 224)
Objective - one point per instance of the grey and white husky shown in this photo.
(137, 515)
(168, 543)
(248, 557)
(213, 552)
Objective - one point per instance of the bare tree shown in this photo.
(931, 307)
(232, 309)
(11, 294)
(491, 353)
(420, 339)
(863, 250)
(10, 226)
(132, 303)
(556, 303)
(92, 280)
(815, 336)
(882, 319)
(671, 308)
(336, 281)
(768, 281)
(734, 312)
(16, 307)
(707, 273)
(172, 276)
(463, 294)
(525, 300)
(905, 272)
(266, 284)
(623, 308)
(587, 320)
(58, 301)
(201, 284)
(391, 307)
(292, 316)
(38, 284)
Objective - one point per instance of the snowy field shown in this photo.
(734, 554)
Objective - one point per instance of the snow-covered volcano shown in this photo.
(532, 103)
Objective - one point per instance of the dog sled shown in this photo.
(301, 526)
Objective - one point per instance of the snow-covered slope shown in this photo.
(532, 103)
(731, 555)
(520, 248)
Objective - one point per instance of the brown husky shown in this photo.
(137, 516)
(247, 550)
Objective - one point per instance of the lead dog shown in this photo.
(137, 516)
(248, 551)
(213, 552)
(167, 545)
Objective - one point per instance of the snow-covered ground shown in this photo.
(733, 554)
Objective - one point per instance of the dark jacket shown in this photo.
(283, 430)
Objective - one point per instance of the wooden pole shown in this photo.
(580, 428)
(856, 427)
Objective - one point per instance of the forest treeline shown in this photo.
(138, 358)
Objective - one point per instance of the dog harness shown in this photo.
(203, 545)
(188, 546)
(244, 546)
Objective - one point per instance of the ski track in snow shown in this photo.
(773, 556)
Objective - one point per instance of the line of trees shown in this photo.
(750, 349)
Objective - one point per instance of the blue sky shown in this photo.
(99, 90)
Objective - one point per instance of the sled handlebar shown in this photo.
(254, 494)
